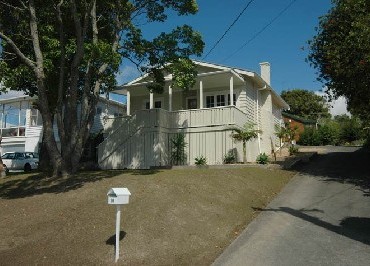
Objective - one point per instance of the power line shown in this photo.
(232, 24)
(261, 30)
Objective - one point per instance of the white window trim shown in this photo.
(161, 99)
(223, 92)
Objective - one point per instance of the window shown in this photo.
(35, 118)
(220, 100)
(192, 103)
(157, 104)
(234, 100)
(210, 101)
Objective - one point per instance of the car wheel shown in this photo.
(27, 167)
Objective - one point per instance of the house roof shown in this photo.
(27, 97)
(240, 73)
(299, 119)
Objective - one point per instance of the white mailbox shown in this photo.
(118, 196)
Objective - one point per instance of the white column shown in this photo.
(170, 98)
(151, 101)
(232, 90)
(200, 94)
(128, 99)
(118, 228)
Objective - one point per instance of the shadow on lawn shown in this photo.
(38, 183)
(112, 240)
(343, 167)
(356, 228)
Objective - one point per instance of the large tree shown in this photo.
(67, 53)
(341, 53)
(306, 104)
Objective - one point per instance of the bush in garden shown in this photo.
(229, 157)
(293, 150)
(329, 133)
(309, 137)
(262, 158)
(201, 160)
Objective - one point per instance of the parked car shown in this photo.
(26, 161)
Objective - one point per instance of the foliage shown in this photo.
(341, 53)
(293, 150)
(262, 158)
(68, 52)
(306, 104)
(329, 133)
(178, 154)
(309, 137)
(351, 128)
(230, 157)
(244, 135)
(201, 160)
(286, 133)
(332, 132)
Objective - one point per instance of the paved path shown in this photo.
(322, 217)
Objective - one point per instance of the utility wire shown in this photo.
(261, 30)
(232, 24)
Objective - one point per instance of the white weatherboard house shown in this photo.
(21, 124)
(223, 97)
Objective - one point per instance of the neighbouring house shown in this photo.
(297, 122)
(223, 97)
(21, 123)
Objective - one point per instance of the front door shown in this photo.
(192, 103)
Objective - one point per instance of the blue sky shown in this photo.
(283, 43)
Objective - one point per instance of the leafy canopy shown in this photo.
(341, 53)
(306, 104)
(67, 52)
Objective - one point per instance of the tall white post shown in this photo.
(232, 90)
(151, 101)
(201, 94)
(258, 121)
(118, 226)
(170, 98)
(128, 102)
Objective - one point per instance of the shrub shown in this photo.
(262, 158)
(201, 160)
(329, 133)
(293, 150)
(309, 137)
(178, 154)
(229, 157)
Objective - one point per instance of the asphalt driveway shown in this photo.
(322, 217)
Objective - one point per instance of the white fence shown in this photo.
(144, 139)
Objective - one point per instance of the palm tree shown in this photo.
(244, 135)
(281, 133)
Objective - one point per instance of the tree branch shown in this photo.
(18, 52)
(62, 62)
(36, 41)
(11, 6)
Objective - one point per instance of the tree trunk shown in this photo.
(2, 169)
(244, 152)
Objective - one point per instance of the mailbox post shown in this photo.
(118, 197)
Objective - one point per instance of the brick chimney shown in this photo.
(266, 72)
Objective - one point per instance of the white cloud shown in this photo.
(338, 106)
(126, 74)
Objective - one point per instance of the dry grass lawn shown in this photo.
(175, 217)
